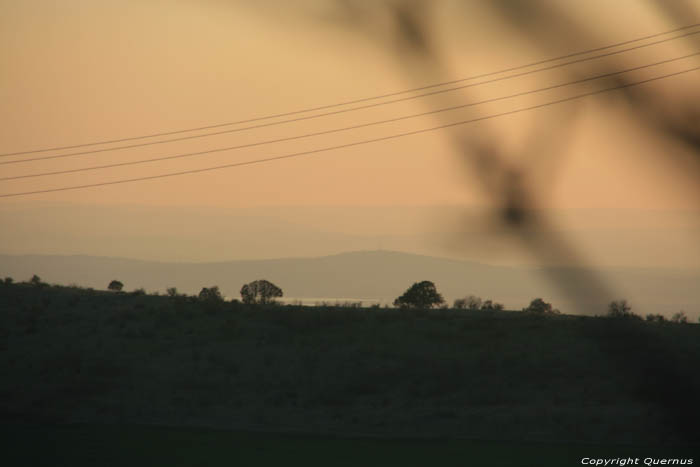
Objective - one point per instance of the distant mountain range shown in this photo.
(369, 275)
(628, 238)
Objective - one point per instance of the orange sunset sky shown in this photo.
(80, 71)
(83, 71)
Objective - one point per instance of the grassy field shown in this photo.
(104, 361)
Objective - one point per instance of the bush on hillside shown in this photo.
(621, 309)
(540, 307)
(655, 318)
(470, 302)
(211, 294)
(115, 286)
(420, 295)
(260, 292)
(489, 305)
(679, 318)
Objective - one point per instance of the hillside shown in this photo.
(370, 275)
(73, 355)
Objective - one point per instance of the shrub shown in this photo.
(679, 318)
(488, 305)
(211, 294)
(621, 309)
(470, 302)
(115, 286)
(655, 318)
(36, 281)
(540, 307)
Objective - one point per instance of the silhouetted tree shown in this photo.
(35, 280)
(420, 295)
(620, 309)
(115, 286)
(9, 280)
(171, 291)
(540, 307)
(211, 294)
(488, 305)
(470, 302)
(656, 318)
(679, 317)
(260, 292)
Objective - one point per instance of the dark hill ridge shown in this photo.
(80, 356)
(378, 275)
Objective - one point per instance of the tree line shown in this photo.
(420, 295)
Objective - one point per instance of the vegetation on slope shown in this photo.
(76, 355)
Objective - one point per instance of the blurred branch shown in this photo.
(511, 187)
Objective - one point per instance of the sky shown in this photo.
(81, 71)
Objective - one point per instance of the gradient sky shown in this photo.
(80, 71)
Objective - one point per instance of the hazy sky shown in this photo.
(78, 71)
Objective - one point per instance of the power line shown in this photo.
(347, 145)
(356, 101)
(367, 106)
(354, 127)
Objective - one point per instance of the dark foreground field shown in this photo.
(145, 446)
(89, 373)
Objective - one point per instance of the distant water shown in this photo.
(332, 301)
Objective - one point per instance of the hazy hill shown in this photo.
(370, 275)
(623, 237)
